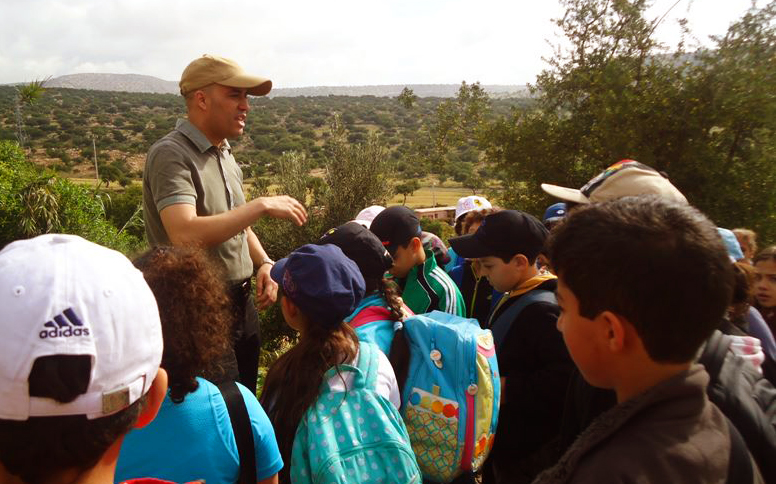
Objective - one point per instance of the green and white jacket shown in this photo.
(427, 288)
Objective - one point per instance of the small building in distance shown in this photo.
(437, 213)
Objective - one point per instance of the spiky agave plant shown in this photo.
(27, 95)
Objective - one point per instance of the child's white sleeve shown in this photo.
(386, 381)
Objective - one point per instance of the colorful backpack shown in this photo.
(451, 396)
(353, 436)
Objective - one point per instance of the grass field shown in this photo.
(426, 196)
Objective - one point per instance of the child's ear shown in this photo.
(519, 260)
(615, 330)
(289, 307)
(154, 399)
(417, 244)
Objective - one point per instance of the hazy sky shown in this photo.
(307, 42)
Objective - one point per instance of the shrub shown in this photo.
(34, 203)
(440, 228)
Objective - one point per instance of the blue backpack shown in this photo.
(450, 400)
(353, 436)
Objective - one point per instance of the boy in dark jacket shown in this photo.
(643, 282)
(532, 359)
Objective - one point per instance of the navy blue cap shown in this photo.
(319, 279)
(503, 234)
(555, 212)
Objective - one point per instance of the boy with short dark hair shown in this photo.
(425, 286)
(80, 364)
(532, 359)
(643, 282)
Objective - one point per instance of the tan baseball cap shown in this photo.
(211, 69)
(623, 179)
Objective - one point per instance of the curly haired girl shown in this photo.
(192, 437)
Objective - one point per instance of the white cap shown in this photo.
(623, 179)
(470, 203)
(368, 214)
(63, 295)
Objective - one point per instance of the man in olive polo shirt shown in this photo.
(192, 195)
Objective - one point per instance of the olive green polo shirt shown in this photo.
(184, 167)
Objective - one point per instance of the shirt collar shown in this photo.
(195, 135)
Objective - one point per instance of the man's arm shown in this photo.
(266, 288)
(185, 227)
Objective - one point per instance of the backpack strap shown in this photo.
(368, 363)
(364, 370)
(713, 356)
(740, 464)
(243, 433)
(501, 325)
(370, 315)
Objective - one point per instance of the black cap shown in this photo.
(395, 226)
(362, 247)
(503, 234)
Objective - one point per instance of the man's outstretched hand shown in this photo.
(283, 206)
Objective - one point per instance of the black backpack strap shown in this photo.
(740, 469)
(713, 356)
(243, 433)
(501, 325)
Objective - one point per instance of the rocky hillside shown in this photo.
(115, 82)
(150, 84)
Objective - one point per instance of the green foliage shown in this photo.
(125, 211)
(406, 189)
(706, 119)
(455, 123)
(26, 95)
(33, 203)
(29, 93)
(407, 98)
(128, 123)
(440, 228)
(355, 176)
(40, 207)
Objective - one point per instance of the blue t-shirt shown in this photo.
(194, 440)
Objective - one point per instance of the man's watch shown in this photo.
(266, 260)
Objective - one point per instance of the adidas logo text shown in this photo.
(64, 325)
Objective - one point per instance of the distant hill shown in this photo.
(150, 84)
(115, 82)
(421, 90)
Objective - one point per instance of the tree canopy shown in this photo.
(707, 118)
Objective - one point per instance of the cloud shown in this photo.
(302, 42)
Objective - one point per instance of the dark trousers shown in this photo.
(246, 334)
(241, 362)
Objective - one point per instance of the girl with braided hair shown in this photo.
(379, 317)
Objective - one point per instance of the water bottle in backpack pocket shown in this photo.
(450, 400)
(355, 435)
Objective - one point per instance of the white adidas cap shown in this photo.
(63, 295)
(470, 203)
